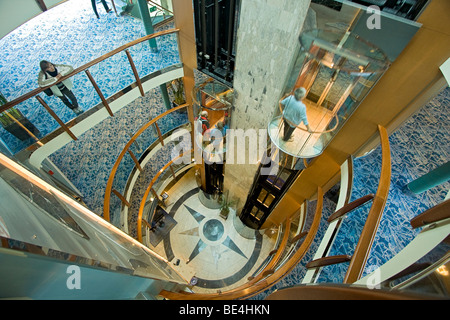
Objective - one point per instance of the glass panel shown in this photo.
(119, 76)
(212, 109)
(42, 199)
(78, 236)
(32, 115)
(269, 200)
(173, 120)
(262, 195)
(119, 184)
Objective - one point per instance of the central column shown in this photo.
(267, 46)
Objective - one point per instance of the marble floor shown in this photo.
(209, 248)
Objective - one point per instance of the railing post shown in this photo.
(114, 7)
(121, 197)
(173, 172)
(136, 162)
(154, 194)
(105, 103)
(136, 75)
(159, 134)
(53, 114)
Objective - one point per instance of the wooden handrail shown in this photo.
(109, 184)
(368, 233)
(84, 67)
(251, 289)
(351, 206)
(147, 192)
(283, 244)
(435, 214)
(326, 261)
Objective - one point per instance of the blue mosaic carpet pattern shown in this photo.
(71, 34)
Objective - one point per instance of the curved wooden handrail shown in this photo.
(368, 233)
(250, 289)
(147, 192)
(283, 244)
(109, 184)
(84, 67)
(434, 214)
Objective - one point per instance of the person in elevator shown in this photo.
(294, 113)
(51, 73)
(204, 121)
(94, 7)
(217, 133)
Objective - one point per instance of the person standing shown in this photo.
(94, 7)
(294, 113)
(50, 73)
(218, 133)
(204, 121)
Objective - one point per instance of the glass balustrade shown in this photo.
(57, 227)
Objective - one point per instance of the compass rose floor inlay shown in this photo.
(208, 247)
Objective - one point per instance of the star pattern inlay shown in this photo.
(213, 232)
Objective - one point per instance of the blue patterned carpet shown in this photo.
(71, 34)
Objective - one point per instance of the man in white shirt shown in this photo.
(294, 113)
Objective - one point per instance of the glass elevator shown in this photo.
(335, 70)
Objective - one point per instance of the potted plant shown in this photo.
(177, 88)
(7, 121)
(225, 205)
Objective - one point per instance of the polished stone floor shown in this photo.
(210, 250)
